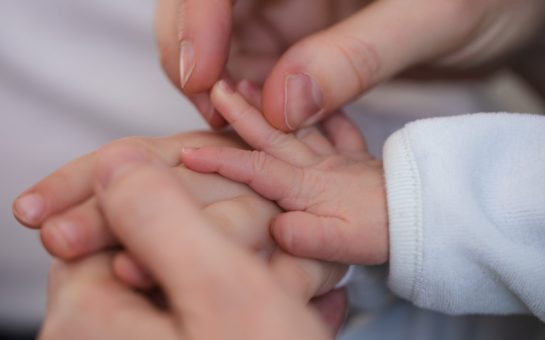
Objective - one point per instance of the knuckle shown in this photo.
(245, 111)
(297, 194)
(202, 138)
(360, 57)
(196, 137)
(126, 144)
(276, 140)
(62, 178)
(300, 181)
(259, 162)
(119, 143)
(132, 141)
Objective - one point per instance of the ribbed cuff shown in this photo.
(405, 215)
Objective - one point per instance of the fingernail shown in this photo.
(29, 208)
(247, 87)
(109, 173)
(250, 92)
(225, 87)
(187, 150)
(187, 62)
(303, 100)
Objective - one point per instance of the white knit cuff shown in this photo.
(405, 215)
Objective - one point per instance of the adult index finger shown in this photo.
(194, 39)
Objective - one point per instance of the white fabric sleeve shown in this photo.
(466, 205)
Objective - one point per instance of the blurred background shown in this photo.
(76, 74)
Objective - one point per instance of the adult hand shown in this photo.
(315, 56)
(64, 207)
(213, 288)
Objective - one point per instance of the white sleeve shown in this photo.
(466, 205)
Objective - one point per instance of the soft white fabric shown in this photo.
(466, 200)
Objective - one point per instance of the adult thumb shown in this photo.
(325, 71)
(223, 290)
(155, 218)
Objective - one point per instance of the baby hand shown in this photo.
(332, 188)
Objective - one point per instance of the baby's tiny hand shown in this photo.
(333, 190)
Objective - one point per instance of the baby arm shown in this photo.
(465, 202)
(332, 189)
(467, 213)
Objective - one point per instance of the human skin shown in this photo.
(227, 294)
(72, 226)
(313, 57)
(332, 189)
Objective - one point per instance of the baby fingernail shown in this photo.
(187, 150)
(303, 100)
(187, 62)
(225, 86)
(29, 208)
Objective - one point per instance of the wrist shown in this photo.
(374, 217)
